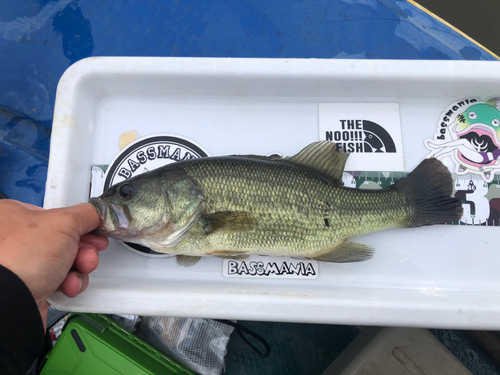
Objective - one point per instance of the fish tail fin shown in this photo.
(428, 189)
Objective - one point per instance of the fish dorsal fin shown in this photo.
(259, 157)
(324, 157)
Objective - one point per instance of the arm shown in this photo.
(21, 334)
(40, 251)
(462, 145)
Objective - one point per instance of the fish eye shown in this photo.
(472, 115)
(495, 122)
(126, 191)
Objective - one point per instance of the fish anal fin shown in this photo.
(228, 222)
(187, 260)
(324, 157)
(230, 255)
(347, 251)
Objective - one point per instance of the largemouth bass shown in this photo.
(296, 206)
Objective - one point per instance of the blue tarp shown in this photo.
(40, 39)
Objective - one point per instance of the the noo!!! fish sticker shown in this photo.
(469, 131)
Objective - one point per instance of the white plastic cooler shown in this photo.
(440, 276)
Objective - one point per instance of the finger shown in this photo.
(31, 207)
(12, 202)
(86, 217)
(99, 242)
(74, 284)
(87, 258)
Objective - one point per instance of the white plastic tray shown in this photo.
(441, 276)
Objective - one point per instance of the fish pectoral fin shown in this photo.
(347, 251)
(324, 157)
(228, 222)
(187, 260)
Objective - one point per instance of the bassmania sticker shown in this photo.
(469, 132)
(149, 153)
(144, 155)
(370, 132)
(271, 268)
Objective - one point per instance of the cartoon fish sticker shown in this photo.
(472, 139)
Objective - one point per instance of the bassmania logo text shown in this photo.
(149, 153)
(272, 268)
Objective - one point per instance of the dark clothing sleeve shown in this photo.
(21, 326)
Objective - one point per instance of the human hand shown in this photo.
(50, 249)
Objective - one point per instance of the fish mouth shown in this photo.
(483, 138)
(482, 143)
(120, 213)
(99, 205)
(114, 218)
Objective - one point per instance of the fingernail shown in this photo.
(80, 281)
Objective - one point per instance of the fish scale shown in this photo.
(290, 214)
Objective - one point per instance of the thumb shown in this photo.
(86, 217)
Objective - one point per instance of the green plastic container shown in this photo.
(95, 344)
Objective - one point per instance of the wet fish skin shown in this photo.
(296, 206)
(298, 212)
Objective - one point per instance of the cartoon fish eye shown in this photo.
(472, 115)
(495, 122)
